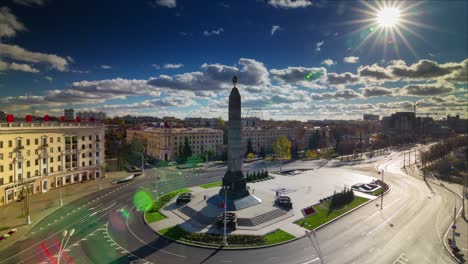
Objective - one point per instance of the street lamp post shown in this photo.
(225, 222)
(454, 245)
(66, 238)
(308, 233)
(60, 192)
(382, 186)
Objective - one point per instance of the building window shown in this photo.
(36, 141)
(10, 143)
(83, 164)
(44, 170)
(83, 146)
(1, 156)
(51, 140)
(28, 174)
(82, 138)
(90, 146)
(83, 155)
(1, 144)
(59, 139)
(90, 137)
(36, 173)
(97, 154)
(28, 163)
(51, 169)
(11, 178)
(1, 168)
(59, 168)
(28, 142)
(59, 158)
(90, 154)
(51, 159)
(36, 162)
(59, 149)
(90, 163)
(51, 150)
(44, 161)
(10, 167)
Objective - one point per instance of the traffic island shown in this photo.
(324, 215)
(234, 241)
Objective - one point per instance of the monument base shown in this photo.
(235, 184)
(235, 204)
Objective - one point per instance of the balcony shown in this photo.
(44, 145)
(18, 148)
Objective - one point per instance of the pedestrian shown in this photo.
(253, 190)
(204, 197)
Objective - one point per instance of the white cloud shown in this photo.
(156, 66)
(215, 77)
(217, 32)
(427, 89)
(376, 91)
(328, 62)
(342, 79)
(351, 59)
(298, 74)
(164, 3)
(48, 78)
(106, 67)
(275, 28)
(286, 4)
(30, 2)
(5, 66)
(17, 53)
(318, 45)
(338, 95)
(173, 66)
(9, 25)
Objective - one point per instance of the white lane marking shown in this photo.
(347, 245)
(311, 261)
(384, 222)
(159, 249)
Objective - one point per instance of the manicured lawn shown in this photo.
(377, 192)
(211, 185)
(277, 237)
(4, 228)
(154, 216)
(322, 216)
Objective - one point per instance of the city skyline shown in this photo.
(295, 59)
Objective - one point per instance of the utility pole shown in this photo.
(60, 193)
(26, 204)
(454, 245)
(464, 193)
(382, 186)
(404, 159)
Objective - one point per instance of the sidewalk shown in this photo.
(11, 215)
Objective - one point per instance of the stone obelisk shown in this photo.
(234, 181)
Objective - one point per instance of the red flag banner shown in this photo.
(62, 118)
(10, 118)
(91, 119)
(47, 118)
(222, 204)
(78, 119)
(28, 118)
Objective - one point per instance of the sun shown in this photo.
(388, 17)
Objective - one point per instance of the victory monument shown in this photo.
(234, 182)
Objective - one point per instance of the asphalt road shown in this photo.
(108, 229)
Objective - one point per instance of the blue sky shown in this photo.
(295, 59)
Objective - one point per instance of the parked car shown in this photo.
(4, 236)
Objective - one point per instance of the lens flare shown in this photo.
(142, 201)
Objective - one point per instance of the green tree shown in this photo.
(262, 152)
(250, 155)
(221, 121)
(249, 146)
(282, 148)
(187, 149)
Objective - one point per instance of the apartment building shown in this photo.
(43, 156)
(265, 137)
(163, 143)
(98, 116)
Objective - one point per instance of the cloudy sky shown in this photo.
(303, 59)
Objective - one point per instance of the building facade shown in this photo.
(370, 117)
(69, 114)
(98, 116)
(202, 122)
(164, 143)
(265, 137)
(44, 156)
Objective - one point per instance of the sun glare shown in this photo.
(388, 17)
